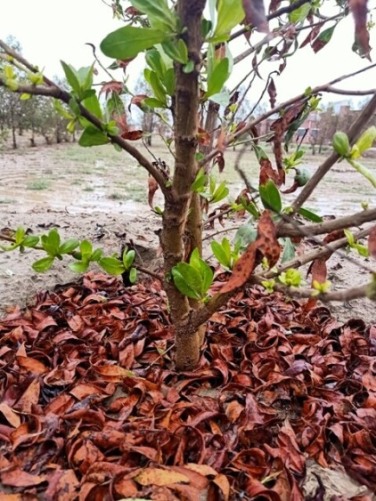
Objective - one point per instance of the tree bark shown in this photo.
(186, 104)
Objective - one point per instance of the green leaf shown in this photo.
(86, 249)
(158, 12)
(51, 242)
(221, 255)
(111, 265)
(365, 141)
(68, 246)
(288, 250)
(189, 67)
(271, 197)
(19, 235)
(291, 277)
(204, 270)
(96, 255)
(72, 77)
(92, 104)
(43, 264)
(127, 42)
(341, 144)
(199, 184)
(350, 237)
(221, 98)
(230, 14)
(133, 275)
(79, 266)
(176, 50)
(92, 136)
(128, 258)
(153, 103)
(300, 13)
(245, 235)
(30, 241)
(152, 78)
(218, 77)
(169, 81)
(363, 171)
(220, 193)
(154, 60)
(309, 215)
(187, 280)
(324, 38)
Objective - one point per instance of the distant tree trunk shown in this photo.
(14, 128)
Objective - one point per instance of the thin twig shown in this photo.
(282, 106)
(295, 230)
(354, 132)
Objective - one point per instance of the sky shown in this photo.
(51, 30)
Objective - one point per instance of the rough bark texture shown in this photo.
(176, 211)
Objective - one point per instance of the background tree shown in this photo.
(189, 60)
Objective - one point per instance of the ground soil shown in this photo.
(86, 194)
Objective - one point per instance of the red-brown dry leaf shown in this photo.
(152, 188)
(267, 172)
(266, 245)
(267, 362)
(132, 135)
(311, 35)
(255, 14)
(279, 127)
(221, 141)
(138, 100)
(359, 10)
(274, 4)
(63, 485)
(31, 364)
(157, 476)
(220, 161)
(372, 242)
(29, 398)
(19, 478)
(272, 91)
(111, 87)
(203, 137)
(12, 417)
(222, 483)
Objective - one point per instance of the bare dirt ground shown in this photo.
(100, 194)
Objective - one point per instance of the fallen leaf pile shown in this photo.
(92, 409)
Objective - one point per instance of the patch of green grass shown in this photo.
(88, 188)
(76, 182)
(38, 185)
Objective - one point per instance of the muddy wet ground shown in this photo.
(100, 194)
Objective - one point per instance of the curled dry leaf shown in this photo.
(274, 389)
(255, 14)
(372, 242)
(266, 245)
(359, 11)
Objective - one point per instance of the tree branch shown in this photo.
(58, 93)
(295, 230)
(308, 257)
(282, 106)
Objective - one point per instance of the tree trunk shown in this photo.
(176, 210)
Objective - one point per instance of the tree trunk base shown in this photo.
(188, 348)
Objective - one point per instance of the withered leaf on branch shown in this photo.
(255, 14)
(266, 245)
(372, 242)
(360, 11)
